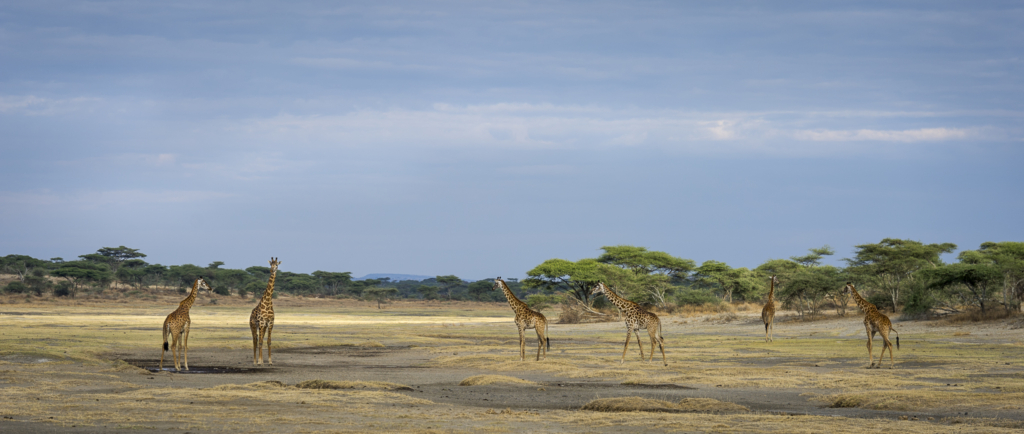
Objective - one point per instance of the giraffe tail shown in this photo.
(897, 338)
(547, 339)
(165, 338)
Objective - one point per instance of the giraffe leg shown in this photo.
(871, 356)
(175, 336)
(522, 344)
(640, 345)
(164, 348)
(771, 324)
(653, 340)
(888, 344)
(184, 343)
(540, 342)
(629, 334)
(259, 359)
(270, 328)
(255, 333)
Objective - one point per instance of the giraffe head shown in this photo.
(599, 289)
(498, 283)
(201, 284)
(848, 289)
(274, 263)
(775, 280)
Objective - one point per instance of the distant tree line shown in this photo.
(899, 275)
(124, 268)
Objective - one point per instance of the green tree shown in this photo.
(979, 279)
(132, 272)
(1008, 257)
(428, 292)
(448, 283)
(890, 265)
(813, 259)
(21, 265)
(78, 273)
(728, 280)
(577, 279)
(643, 262)
(380, 295)
(810, 286)
(652, 271)
(333, 283)
(113, 256)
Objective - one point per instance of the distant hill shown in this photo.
(395, 277)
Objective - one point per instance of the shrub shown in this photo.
(16, 287)
(63, 289)
(221, 290)
(696, 297)
(882, 301)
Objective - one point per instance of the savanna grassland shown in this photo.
(346, 366)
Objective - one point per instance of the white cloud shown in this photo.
(36, 106)
(547, 126)
(918, 135)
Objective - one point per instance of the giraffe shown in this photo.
(874, 322)
(262, 318)
(526, 318)
(768, 312)
(636, 319)
(177, 325)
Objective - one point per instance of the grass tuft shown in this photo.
(631, 403)
(337, 385)
(483, 380)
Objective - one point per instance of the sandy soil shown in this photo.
(59, 372)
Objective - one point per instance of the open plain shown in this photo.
(346, 366)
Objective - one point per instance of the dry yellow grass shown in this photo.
(636, 403)
(337, 385)
(483, 380)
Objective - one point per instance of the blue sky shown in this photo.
(482, 138)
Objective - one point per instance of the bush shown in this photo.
(918, 303)
(540, 302)
(63, 289)
(16, 287)
(221, 290)
(696, 297)
(882, 301)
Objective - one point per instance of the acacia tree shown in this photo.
(21, 265)
(1008, 257)
(380, 295)
(333, 283)
(577, 279)
(80, 272)
(448, 283)
(113, 256)
(652, 270)
(728, 280)
(980, 280)
(890, 265)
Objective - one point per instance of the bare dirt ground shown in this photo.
(91, 366)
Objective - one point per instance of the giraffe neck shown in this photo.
(268, 295)
(187, 302)
(864, 305)
(513, 301)
(619, 302)
(771, 292)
